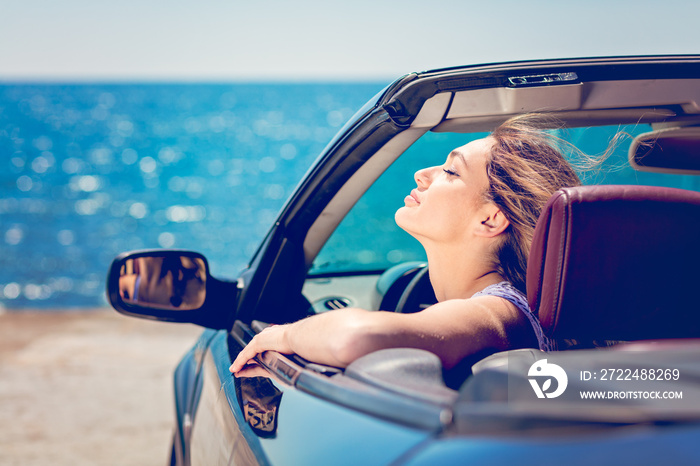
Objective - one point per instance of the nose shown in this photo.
(424, 177)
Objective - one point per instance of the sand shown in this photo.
(87, 388)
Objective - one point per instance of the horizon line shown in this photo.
(78, 79)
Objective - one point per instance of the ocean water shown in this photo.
(89, 171)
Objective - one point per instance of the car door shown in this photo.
(298, 416)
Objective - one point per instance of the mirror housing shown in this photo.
(669, 150)
(171, 286)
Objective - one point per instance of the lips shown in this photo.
(412, 199)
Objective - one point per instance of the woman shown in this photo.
(475, 216)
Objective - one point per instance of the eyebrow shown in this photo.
(456, 153)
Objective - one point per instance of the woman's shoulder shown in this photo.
(510, 293)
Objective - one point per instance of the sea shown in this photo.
(89, 171)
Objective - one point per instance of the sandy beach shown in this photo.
(87, 387)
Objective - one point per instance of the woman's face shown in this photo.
(447, 204)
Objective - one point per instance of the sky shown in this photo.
(283, 40)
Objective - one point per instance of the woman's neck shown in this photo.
(458, 273)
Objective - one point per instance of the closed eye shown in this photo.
(450, 172)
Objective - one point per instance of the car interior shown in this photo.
(634, 286)
(609, 264)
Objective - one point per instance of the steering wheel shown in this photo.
(418, 294)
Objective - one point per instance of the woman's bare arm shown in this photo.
(452, 330)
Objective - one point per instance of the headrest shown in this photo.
(617, 263)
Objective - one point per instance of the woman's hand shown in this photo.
(272, 338)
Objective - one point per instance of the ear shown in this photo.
(493, 223)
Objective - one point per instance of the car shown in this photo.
(612, 276)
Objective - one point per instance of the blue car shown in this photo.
(612, 276)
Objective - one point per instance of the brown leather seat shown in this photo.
(617, 263)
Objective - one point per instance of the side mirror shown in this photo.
(168, 285)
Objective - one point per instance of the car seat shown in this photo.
(617, 263)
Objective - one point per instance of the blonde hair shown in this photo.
(525, 167)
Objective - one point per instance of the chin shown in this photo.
(403, 220)
(400, 217)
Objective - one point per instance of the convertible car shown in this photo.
(612, 276)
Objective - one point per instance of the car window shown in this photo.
(368, 239)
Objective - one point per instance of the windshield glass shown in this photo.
(368, 239)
